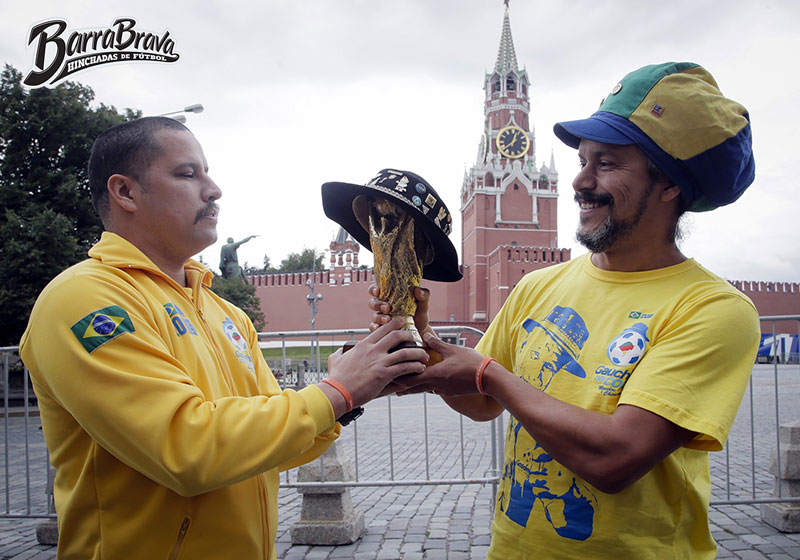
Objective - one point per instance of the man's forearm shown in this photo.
(610, 451)
(477, 407)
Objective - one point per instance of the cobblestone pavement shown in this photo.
(450, 521)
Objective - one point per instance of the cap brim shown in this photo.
(337, 202)
(593, 128)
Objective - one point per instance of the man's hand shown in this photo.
(381, 309)
(368, 367)
(453, 376)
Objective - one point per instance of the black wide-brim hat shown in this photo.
(415, 195)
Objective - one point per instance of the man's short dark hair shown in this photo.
(125, 149)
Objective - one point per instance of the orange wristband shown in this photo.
(479, 373)
(348, 399)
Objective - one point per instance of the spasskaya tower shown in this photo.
(508, 204)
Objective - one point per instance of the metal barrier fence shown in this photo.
(411, 441)
(27, 477)
(466, 472)
(772, 398)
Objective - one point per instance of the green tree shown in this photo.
(268, 268)
(242, 295)
(303, 261)
(47, 221)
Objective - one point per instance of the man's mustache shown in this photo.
(591, 197)
(207, 210)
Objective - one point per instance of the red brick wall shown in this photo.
(773, 298)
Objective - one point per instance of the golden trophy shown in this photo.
(400, 252)
(403, 221)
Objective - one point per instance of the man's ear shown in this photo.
(670, 192)
(123, 191)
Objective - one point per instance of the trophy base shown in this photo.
(408, 326)
(405, 345)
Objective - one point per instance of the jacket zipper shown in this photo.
(176, 548)
(262, 487)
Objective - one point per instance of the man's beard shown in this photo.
(611, 231)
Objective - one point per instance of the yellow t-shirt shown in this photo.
(679, 342)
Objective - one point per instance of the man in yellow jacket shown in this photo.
(165, 425)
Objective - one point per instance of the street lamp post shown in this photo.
(180, 116)
(313, 299)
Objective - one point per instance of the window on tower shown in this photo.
(511, 84)
(496, 85)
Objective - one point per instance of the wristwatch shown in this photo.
(348, 417)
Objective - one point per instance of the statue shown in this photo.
(403, 221)
(229, 261)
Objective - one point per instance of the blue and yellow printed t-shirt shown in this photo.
(679, 342)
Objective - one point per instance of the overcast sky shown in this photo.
(297, 93)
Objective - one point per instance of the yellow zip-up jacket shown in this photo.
(164, 423)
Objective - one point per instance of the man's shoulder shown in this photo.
(82, 285)
(78, 277)
(710, 283)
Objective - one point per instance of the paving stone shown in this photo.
(434, 544)
(753, 539)
(751, 555)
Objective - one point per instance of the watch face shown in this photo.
(512, 142)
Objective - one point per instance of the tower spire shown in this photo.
(506, 56)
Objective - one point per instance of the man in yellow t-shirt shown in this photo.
(622, 368)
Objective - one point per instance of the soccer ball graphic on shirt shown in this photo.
(629, 346)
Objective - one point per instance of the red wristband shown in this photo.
(348, 399)
(479, 373)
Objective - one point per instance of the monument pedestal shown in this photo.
(47, 531)
(327, 516)
(785, 517)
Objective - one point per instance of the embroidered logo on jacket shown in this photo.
(179, 319)
(102, 326)
(239, 343)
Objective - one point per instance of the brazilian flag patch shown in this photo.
(100, 326)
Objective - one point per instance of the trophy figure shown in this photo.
(400, 253)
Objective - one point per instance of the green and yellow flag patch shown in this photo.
(100, 326)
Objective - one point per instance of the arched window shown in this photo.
(495, 85)
(511, 84)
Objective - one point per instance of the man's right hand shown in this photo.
(368, 367)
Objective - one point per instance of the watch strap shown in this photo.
(348, 417)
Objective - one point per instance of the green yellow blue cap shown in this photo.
(676, 114)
